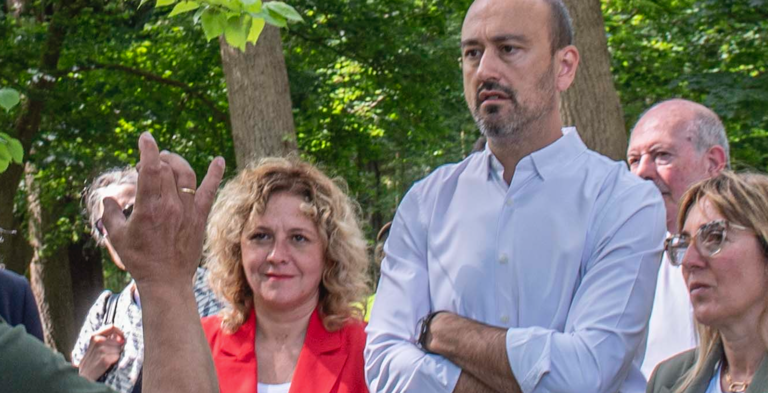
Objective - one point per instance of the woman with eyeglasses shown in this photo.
(110, 347)
(285, 250)
(723, 251)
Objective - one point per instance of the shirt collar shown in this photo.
(546, 161)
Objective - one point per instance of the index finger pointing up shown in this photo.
(149, 161)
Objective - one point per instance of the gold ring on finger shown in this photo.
(187, 190)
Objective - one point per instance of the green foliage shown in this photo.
(375, 85)
(10, 148)
(9, 98)
(240, 21)
(710, 51)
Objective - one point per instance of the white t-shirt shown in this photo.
(267, 388)
(670, 330)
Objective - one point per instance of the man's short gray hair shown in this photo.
(707, 128)
(709, 131)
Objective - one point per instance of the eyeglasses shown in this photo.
(127, 211)
(709, 240)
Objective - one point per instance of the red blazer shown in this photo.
(329, 362)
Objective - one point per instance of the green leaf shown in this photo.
(256, 28)
(214, 23)
(164, 3)
(16, 150)
(284, 10)
(198, 14)
(5, 154)
(184, 6)
(236, 31)
(252, 6)
(9, 98)
(271, 18)
(142, 3)
(3, 165)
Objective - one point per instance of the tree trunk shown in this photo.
(49, 272)
(15, 252)
(592, 104)
(259, 98)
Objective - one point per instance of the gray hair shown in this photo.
(709, 131)
(707, 128)
(94, 193)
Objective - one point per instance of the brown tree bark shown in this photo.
(259, 98)
(50, 275)
(592, 104)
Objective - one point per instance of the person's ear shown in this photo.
(716, 160)
(567, 63)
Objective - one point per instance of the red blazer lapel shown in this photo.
(234, 356)
(321, 360)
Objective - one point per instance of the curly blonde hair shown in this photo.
(344, 285)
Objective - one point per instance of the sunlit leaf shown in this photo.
(9, 98)
(252, 6)
(284, 10)
(184, 6)
(198, 14)
(5, 154)
(236, 32)
(214, 22)
(16, 150)
(272, 18)
(257, 26)
(164, 3)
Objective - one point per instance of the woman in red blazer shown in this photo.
(285, 250)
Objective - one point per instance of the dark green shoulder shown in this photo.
(671, 371)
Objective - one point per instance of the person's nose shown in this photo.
(692, 258)
(489, 68)
(646, 168)
(280, 251)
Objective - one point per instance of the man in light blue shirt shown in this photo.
(538, 255)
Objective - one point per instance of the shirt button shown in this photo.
(505, 319)
(509, 202)
(503, 259)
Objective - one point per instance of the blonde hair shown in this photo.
(344, 284)
(742, 199)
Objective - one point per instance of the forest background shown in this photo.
(375, 98)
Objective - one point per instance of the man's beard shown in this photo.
(520, 116)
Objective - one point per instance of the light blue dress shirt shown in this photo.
(565, 258)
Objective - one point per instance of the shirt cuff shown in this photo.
(528, 354)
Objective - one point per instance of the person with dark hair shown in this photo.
(675, 144)
(110, 346)
(529, 266)
(17, 304)
(722, 247)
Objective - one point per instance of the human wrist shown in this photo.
(427, 339)
(165, 290)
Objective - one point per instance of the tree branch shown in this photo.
(217, 113)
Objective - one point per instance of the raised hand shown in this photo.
(163, 238)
